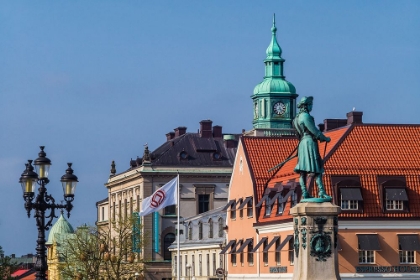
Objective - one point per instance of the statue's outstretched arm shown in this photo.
(310, 125)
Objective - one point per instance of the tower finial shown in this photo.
(274, 28)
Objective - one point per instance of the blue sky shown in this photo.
(94, 81)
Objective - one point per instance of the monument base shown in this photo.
(315, 241)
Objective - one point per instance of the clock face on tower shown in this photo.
(279, 108)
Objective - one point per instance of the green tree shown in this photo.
(7, 266)
(111, 252)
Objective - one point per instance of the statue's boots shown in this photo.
(322, 194)
(305, 194)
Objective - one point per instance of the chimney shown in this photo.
(230, 141)
(354, 117)
(170, 136)
(330, 124)
(217, 131)
(321, 126)
(205, 129)
(180, 130)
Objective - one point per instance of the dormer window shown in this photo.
(348, 193)
(200, 230)
(393, 193)
(350, 198)
(217, 156)
(210, 228)
(221, 226)
(183, 155)
(190, 231)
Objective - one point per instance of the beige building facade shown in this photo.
(204, 163)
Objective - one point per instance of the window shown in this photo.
(250, 254)
(125, 209)
(293, 199)
(277, 253)
(170, 210)
(167, 241)
(214, 264)
(204, 197)
(113, 211)
(138, 203)
(394, 194)
(131, 205)
(120, 209)
(241, 254)
(208, 264)
(249, 209)
(233, 259)
(280, 205)
(366, 257)
(190, 231)
(408, 244)
(348, 193)
(233, 211)
(192, 265)
(203, 203)
(393, 204)
(407, 257)
(241, 211)
(232, 245)
(210, 228)
(265, 253)
(349, 204)
(200, 231)
(367, 245)
(267, 206)
(186, 265)
(200, 265)
(103, 213)
(221, 226)
(175, 266)
(291, 251)
(180, 266)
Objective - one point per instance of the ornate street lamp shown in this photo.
(43, 202)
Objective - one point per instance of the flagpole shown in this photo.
(178, 263)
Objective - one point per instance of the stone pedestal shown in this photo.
(315, 245)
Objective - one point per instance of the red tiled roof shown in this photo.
(369, 151)
(19, 272)
(264, 153)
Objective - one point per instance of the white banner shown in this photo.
(165, 196)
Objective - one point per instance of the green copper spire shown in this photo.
(274, 50)
(274, 98)
(60, 230)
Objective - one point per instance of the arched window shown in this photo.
(200, 230)
(221, 225)
(210, 228)
(167, 241)
(190, 231)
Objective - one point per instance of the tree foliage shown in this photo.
(103, 252)
(7, 266)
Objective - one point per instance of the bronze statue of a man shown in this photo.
(309, 159)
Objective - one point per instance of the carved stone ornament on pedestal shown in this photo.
(315, 245)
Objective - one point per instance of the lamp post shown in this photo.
(43, 202)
